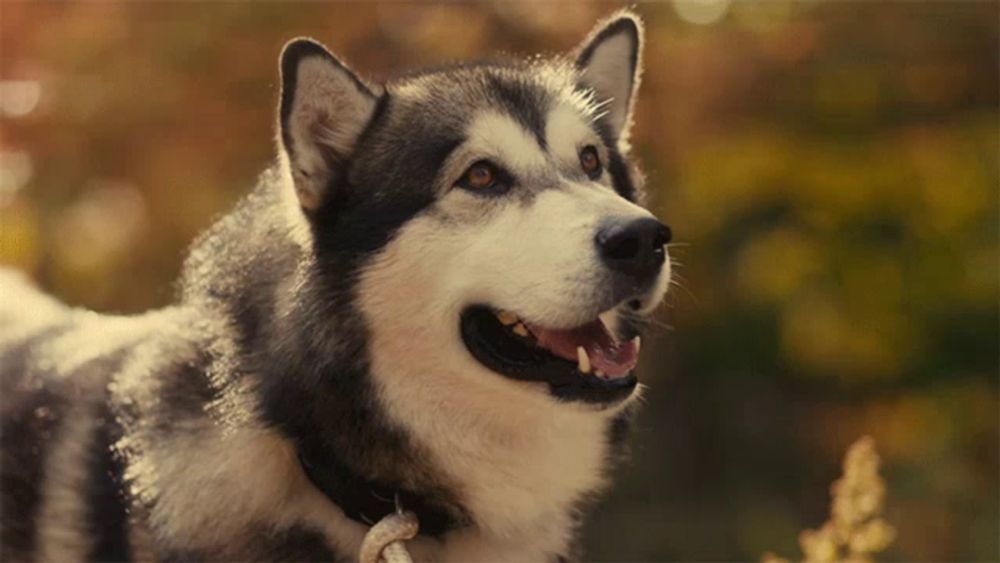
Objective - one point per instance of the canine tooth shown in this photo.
(506, 318)
(638, 343)
(582, 360)
(520, 330)
(599, 373)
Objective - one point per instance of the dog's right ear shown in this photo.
(610, 64)
(324, 108)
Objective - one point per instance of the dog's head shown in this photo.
(487, 216)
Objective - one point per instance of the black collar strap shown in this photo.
(367, 502)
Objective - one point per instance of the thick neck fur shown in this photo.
(298, 336)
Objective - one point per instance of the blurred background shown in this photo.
(829, 168)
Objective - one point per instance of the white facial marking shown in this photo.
(566, 133)
(498, 135)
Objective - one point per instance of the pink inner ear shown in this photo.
(610, 64)
(328, 112)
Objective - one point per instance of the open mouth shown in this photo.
(585, 363)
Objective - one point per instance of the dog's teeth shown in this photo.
(582, 360)
(638, 343)
(506, 318)
(599, 373)
(520, 330)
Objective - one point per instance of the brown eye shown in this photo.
(479, 176)
(590, 162)
(486, 178)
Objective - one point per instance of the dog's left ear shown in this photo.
(610, 63)
(324, 109)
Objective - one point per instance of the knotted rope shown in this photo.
(384, 541)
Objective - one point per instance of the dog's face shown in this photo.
(488, 214)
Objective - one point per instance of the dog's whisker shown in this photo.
(676, 280)
(647, 320)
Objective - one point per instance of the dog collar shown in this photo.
(368, 502)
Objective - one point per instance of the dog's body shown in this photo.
(393, 312)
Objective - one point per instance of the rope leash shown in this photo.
(384, 541)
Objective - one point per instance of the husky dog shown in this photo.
(432, 301)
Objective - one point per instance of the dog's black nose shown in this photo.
(634, 248)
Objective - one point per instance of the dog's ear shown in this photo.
(610, 63)
(324, 109)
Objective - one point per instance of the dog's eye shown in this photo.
(480, 175)
(484, 176)
(590, 161)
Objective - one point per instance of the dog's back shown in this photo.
(60, 484)
(106, 416)
(32, 413)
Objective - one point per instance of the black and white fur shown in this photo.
(321, 316)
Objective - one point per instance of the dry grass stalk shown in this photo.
(856, 529)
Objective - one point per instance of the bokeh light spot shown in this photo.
(19, 97)
(701, 12)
